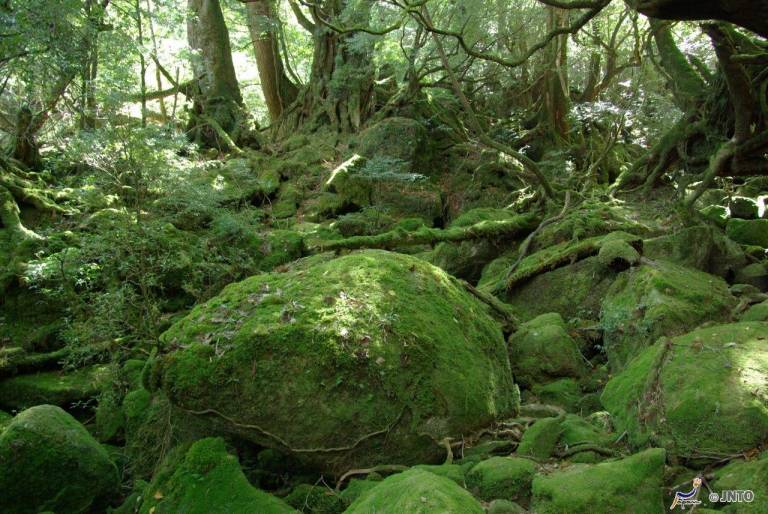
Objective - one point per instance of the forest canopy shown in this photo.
(383, 255)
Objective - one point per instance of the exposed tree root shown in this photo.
(431, 236)
(570, 254)
(383, 468)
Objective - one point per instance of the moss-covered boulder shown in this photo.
(396, 138)
(467, 259)
(757, 312)
(540, 439)
(369, 358)
(748, 232)
(416, 492)
(633, 484)
(702, 247)
(564, 393)
(658, 299)
(744, 207)
(717, 214)
(755, 274)
(704, 393)
(573, 291)
(52, 387)
(542, 351)
(208, 480)
(49, 462)
(742, 475)
(508, 478)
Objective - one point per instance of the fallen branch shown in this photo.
(431, 236)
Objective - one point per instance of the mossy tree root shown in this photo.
(430, 236)
(533, 266)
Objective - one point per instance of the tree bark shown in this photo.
(218, 95)
(340, 93)
(279, 91)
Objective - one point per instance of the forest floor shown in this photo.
(410, 331)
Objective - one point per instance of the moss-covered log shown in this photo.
(562, 255)
(429, 236)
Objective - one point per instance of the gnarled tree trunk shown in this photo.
(219, 119)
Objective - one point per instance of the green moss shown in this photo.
(287, 203)
(565, 393)
(396, 137)
(717, 214)
(755, 274)
(748, 232)
(364, 223)
(701, 247)
(208, 480)
(326, 355)
(739, 476)
(618, 255)
(416, 492)
(505, 507)
(453, 471)
(540, 439)
(697, 394)
(48, 461)
(757, 312)
(52, 387)
(542, 350)
(356, 488)
(655, 299)
(633, 484)
(467, 259)
(501, 477)
(315, 499)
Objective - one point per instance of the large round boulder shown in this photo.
(374, 357)
(49, 462)
(701, 395)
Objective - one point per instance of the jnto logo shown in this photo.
(687, 499)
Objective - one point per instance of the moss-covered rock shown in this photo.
(287, 203)
(208, 480)
(701, 247)
(48, 461)
(573, 291)
(364, 359)
(745, 475)
(564, 393)
(755, 274)
(396, 137)
(453, 471)
(757, 312)
(315, 500)
(542, 350)
(748, 232)
(744, 207)
(416, 492)
(364, 223)
(505, 507)
(52, 387)
(655, 299)
(356, 488)
(717, 214)
(501, 477)
(540, 439)
(633, 484)
(618, 255)
(467, 259)
(704, 393)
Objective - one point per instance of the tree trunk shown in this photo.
(217, 103)
(555, 89)
(279, 91)
(750, 14)
(688, 88)
(340, 92)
